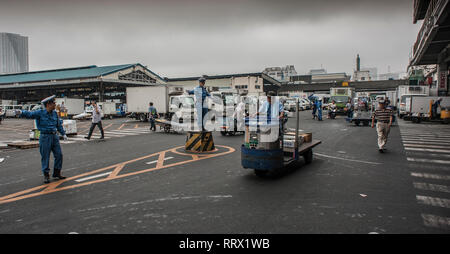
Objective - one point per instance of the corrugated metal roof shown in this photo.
(68, 73)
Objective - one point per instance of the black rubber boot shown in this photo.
(57, 174)
(46, 178)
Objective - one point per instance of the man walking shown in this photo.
(384, 122)
(96, 120)
(48, 123)
(152, 114)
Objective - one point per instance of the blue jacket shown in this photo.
(45, 121)
(200, 95)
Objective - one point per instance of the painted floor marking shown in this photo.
(431, 187)
(427, 146)
(431, 176)
(151, 162)
(427, 150)
(340, 158)
(432, 201)
(92, 177)
(435, 221)
(114, 174)
(427, 142)
(427, 160)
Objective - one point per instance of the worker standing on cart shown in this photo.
(434, 107)
(239, 114)
(384, 122)
(201, 106)
(48, 123)
(152, 114)
(272, 110)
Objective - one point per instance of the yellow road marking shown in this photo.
(52, 187)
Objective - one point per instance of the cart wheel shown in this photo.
(357, 122)
(308, 156)
(366, 123)
(166, 128)
(261, 173)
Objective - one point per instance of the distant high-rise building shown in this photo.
(13, 53)
(363, 74)
(358, 63)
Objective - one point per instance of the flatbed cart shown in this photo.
(229, 126)
(271, 160)
(170, 126)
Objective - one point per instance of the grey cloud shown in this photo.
(192, 37)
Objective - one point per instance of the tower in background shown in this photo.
(13, 53)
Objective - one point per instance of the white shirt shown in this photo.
(96, 117)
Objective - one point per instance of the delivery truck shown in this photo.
(167, 101)
(419, 108)
(72, 105)
(404, 93)
(341, 95)
(111, 109)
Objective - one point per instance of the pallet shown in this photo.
(24, 145)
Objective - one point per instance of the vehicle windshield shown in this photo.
(339, 99)
(404, 98)
(290, 101)
(229, 100)
(187, 100)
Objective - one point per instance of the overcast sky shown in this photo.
(194, 37)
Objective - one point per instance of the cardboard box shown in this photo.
(307, 137)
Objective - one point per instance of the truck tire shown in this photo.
(357, 122)
(366, 123)
(224, 133)
(142, 118)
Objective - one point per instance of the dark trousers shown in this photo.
(152, 123)
(99, 124)
(49, 143)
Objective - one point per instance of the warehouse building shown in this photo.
(360, 86)
(245, 83)
(102, 83)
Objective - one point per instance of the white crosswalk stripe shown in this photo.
(438, 202)
(427, 148)
(428, 160)
(96, 135)
(431, 176)
(109, 134)
(436, 221)
(432, 187)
